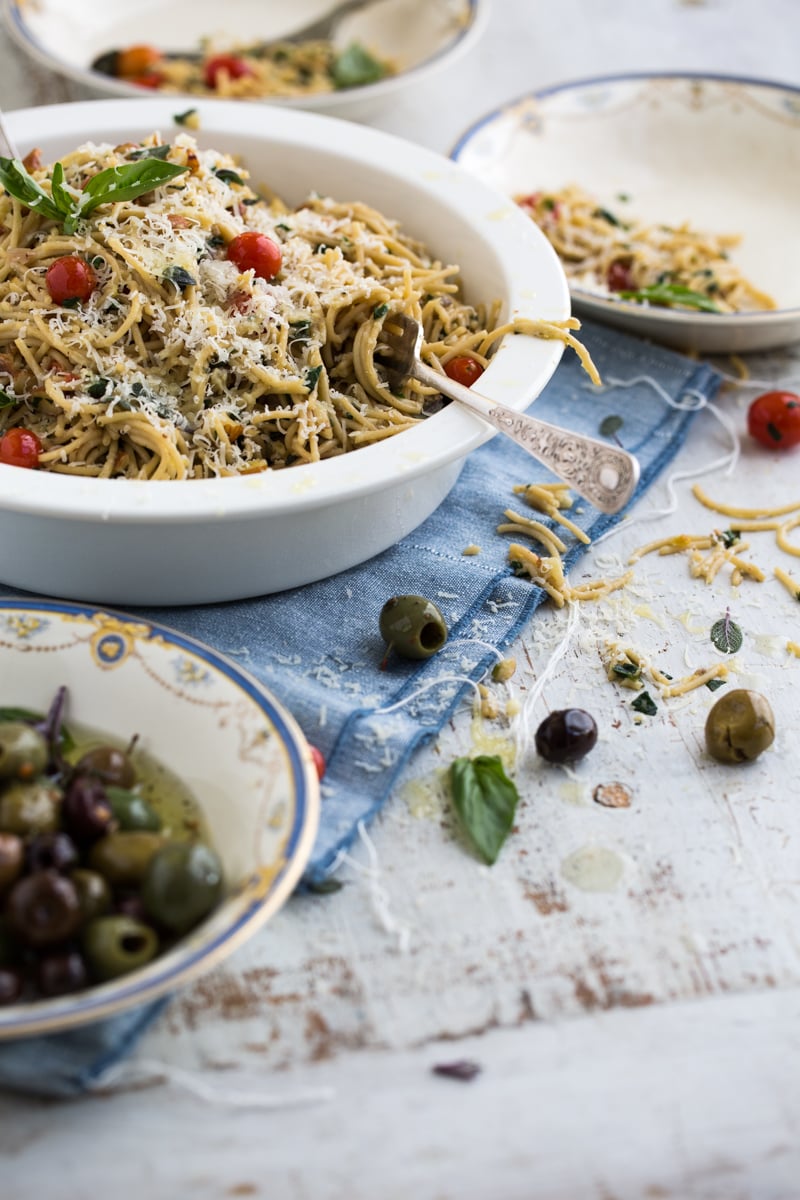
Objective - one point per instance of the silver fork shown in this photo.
(603, 474)
(321, 29)
(7, 143)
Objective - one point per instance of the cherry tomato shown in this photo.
(319, 760)
(774, 420)
(234, 68)
(256, 252)
(20, 448)
(463, 369)
(70, 278)
(619, 277)
(136, 60)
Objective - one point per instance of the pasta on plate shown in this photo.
(185, 356)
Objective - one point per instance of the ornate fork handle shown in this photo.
(603, 474)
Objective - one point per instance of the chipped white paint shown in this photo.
(638, 1043)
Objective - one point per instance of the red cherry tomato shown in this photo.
(774, 420)
(463, 369)
(319, 760)
(136, 61)
(20, 448)
(234, 68)
(256, 252)
(619, 277)
(70, 278)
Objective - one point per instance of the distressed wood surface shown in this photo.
(638, 1040)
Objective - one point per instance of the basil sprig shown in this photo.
(68, 206)
(485, 800)
(670, 295)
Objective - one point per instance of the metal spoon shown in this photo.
(603, 474)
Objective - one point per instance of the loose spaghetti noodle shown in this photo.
(180, 365)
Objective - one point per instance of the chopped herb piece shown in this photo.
(627, 670)
(517, 567)
(727, 635)
(215, 242)
(610, 425)
(98, 262)
(355, 67)
(713, 684)
(485, 800)
(548, 204)
(183, 118)
(284, 227)
(312, 375)
(180, 277)
(71, 302)
(463, 1070)
(98, 389)
(216, 363)
(252, 200)
(670, 295)
(125, 405)
(644, 703)
(299, 331)
(380, 311)
(228, 176)
(729, 537)
(774, 432)
(605, 215)
(151, 152)
(137, 389)
(7, 401)
(325, 887)
(666, 676)
(624, 197)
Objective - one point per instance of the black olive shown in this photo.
(51, 851)
(43, 909)
(566, 736)
(86, 810)
(59, 974)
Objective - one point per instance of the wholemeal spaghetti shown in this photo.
(671, 266)
(182, 365)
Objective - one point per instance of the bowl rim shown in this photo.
(521, 251)
(599, 303)
(464, 38)
(178, 967)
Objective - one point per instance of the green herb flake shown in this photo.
(713, 684)
(729, 537)
(727, 635)
(228, 176)
(355, 66)
(150, 152)
(485, 800)
(774, 432)
(605, 215)
(183, 118)
(380, 311)
(299, 332)
(215, 242)
(325, 887)
(284, 227)
(7, 401)
(98, 389)
(670, 296)
(28, 717)
(312, 375)
(98, 262)
(71, 302)
(180, 277)
(644, 703)
(610, 425)
(627, 670)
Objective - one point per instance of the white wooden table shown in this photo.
(639, 1042)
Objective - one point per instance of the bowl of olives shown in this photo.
(157, 805)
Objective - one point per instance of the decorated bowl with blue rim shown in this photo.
(239, 753)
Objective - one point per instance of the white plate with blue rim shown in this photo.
(721, 153)
(227, 739)
(416, 37)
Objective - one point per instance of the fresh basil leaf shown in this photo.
(485, 800)
(644, 703)
(669, 295)
(299, 331)
(63, 199)
(727, 635)
(610, 425)
(127, 181)
(228, 176)
(7, 401)
(181, 278)
(19, 184)
(150, 152)
(312, 375)
(28, 717)
(355, 66)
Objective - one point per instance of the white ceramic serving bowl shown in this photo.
(721, 153)
(240, 753)
(133, 542)
(419, 36)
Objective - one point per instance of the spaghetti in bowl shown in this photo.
(178, 533)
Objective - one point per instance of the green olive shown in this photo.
(412, 626)
(182, 885)
(739, 726)
(94, 894)
(123, 858)
(131, 811)
(27, 808)
(109, 764)
(115, 945)
(23, 751)
(12, 857)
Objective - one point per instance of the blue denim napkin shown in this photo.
(318, 649)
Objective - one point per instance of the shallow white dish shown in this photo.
(227, 738)
(419, 36)
(133, 542)
(722, 153)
